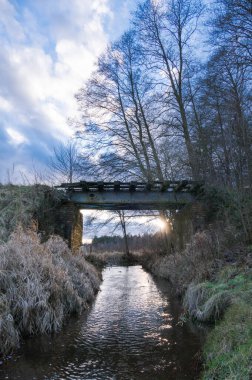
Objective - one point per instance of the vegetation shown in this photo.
(137, 243)
(195, 263)
(228, 349)
(26, 205)
(207, 301)
(40, 285)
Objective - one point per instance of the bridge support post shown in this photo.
(70, 225)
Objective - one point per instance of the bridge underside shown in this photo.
(131, 195)
(127, 201)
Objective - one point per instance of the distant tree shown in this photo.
(64, 162)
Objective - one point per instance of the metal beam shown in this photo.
(130, 200)
(131, 195)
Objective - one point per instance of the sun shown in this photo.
(161, 223)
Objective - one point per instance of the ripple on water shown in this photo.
(131, 332)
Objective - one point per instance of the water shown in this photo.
(131, 332)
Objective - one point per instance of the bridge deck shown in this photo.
(131, 195)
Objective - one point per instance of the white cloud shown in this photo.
(16, 138)
(48, 49)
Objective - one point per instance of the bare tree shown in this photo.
(64, 162)
(232, 28)
(225, 114)
(124, 113)
(165, 29)
(125, 236)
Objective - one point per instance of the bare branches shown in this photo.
(64, 162)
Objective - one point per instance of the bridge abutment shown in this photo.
(69, 224)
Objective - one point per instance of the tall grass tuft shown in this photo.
(227, 301)
(40, 285)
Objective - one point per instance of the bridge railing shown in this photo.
(118, 186)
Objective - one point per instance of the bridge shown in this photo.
(166, 195)
(131, 195)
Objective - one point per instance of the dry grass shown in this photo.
(22, 205)
(40, 284)
(196, 263)
(204, 304)
(228, 348)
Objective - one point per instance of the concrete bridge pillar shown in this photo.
(69, 224)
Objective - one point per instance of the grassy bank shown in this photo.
(215, 283)
(40, 285)
(226, 301)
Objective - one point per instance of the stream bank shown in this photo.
(216, 286)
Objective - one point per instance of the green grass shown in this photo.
(228, 348)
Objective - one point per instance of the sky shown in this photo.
(48, 50)
(108, 223)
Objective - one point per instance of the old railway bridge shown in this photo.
(167, 195)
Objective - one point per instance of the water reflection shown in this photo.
(131, 332)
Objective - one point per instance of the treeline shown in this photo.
(171, 98)
(136, 243)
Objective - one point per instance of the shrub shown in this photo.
(40, 284)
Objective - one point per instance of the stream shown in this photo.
(131, 331)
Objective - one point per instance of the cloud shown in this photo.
(16, 138)
(48, 49)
